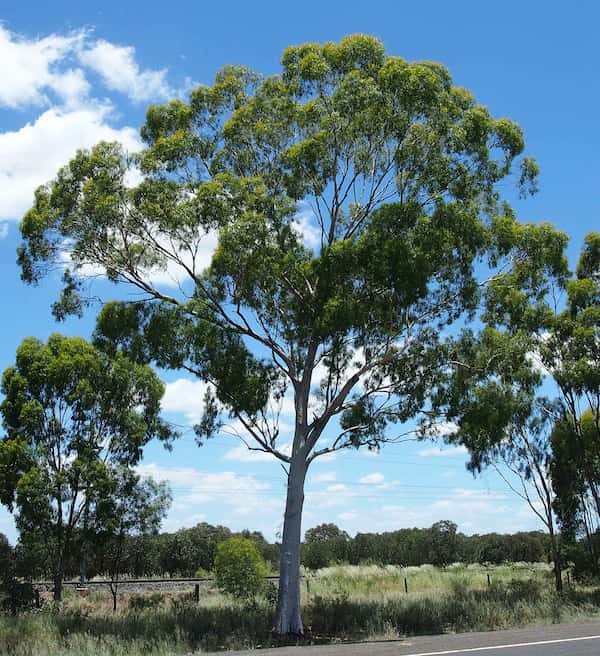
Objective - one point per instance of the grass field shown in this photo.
(366, 602)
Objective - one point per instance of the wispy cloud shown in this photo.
(372, 479)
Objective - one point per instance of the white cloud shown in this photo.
(175, 274)
(535, 359)
(31, 155)
(305, 226)
(191, 486)
(41, 71)
(174, 523)
(328, 457)
(119, 70)
(369, 453)
(442, 429)
(372, 479)
(338, 488)
(197, 493)
(444, 453)
(51, 72)
(3, 230)
(324, 477)
(185, 396)
(29, 69)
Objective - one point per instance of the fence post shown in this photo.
(307, 586)
(405, 585)
(568, 578)
(38, 603)
(489, 580)
(197, 592)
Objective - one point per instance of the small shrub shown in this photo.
(459, 588)
(202, 573)
(15, 596)
(526, 589)
(138, 602)
(240, 568)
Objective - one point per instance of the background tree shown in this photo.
(525, 461)
(575, 458)
(70, 414)
(351, 196)
(130, 507)
(495, 394)
(444, 543)
(324, 545)
(6, 553)
(15, 595)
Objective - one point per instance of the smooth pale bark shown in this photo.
(288, 619)
(557, 564)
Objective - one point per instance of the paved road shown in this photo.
(556, 640)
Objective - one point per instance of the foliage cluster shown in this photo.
(240, 569)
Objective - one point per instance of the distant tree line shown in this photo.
(191, 552)
(188, 552)
(440, 545)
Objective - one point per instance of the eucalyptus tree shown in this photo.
(571, 353)
(350, 197)
(132, 507)
(525, 388)
(71, 415)
(574, 457)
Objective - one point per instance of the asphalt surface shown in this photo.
(582, 639)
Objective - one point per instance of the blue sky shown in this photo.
(72, 73)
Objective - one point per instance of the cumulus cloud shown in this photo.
(120, 71)
(55, 68)
(474, 511)
(31, 155)
(174, 274)
(192, 484)
(30, 69)
(51, 73)
(306, 227)
(186, 397)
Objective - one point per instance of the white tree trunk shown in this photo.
(287, 616)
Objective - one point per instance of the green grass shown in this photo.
(375, 581)
(344, 603)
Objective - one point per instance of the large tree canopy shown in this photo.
(354, 203)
